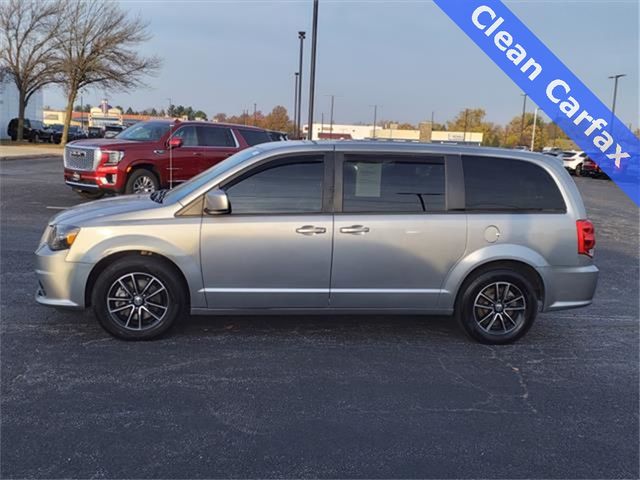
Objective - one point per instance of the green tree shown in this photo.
(130, 111)
(200, 114)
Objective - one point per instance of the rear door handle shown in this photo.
(310, 230)
(355, 230)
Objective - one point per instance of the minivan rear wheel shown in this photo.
(138, 298)
(497, 307)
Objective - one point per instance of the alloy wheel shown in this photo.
(500, 308)
(144, 184)
(137, 301)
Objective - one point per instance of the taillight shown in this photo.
(586, 237)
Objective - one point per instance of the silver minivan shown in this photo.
(491, 235)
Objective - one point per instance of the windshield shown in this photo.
(145, 132)
(207, 176)
(57, 128)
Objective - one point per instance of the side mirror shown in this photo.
(175, 142)
(216, 202)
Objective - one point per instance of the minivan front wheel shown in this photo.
(498, 306)
(138, 298)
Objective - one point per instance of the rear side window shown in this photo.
(215, 137)
(254, 137)
(509, 185)
(401, 184)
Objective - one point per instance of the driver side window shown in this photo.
(293, 185)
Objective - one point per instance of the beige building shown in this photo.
(391, 132)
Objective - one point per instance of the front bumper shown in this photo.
(105, 178)
(568, 287)
(60, 283)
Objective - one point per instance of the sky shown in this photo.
(406, 56)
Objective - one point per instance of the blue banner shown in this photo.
(552, 86)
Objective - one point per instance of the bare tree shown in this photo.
(28, 47)
(98, 46)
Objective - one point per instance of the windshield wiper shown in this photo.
(159, 195)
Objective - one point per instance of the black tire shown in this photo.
(578, 170)
(494, 324)
(35, 138)
(90, 195)
(133, 322)
(142, 176)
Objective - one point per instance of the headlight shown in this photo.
(111, 157)
(62, 237)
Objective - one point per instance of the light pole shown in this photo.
(169, 109)
(615, 94)
(295, 105)
(533, 135)
(301, 36)
(255, 114)
(524, 108)
(81, 114)
(312, 82)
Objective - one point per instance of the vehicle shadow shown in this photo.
(393, 326)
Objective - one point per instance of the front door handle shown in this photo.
(355, 230)
(310, 230)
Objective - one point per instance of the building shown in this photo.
(9, 100)
(391, 132)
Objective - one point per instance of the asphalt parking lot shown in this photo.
(315, 396)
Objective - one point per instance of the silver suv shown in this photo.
(491, 235)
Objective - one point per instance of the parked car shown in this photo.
(111, 131)
(153, 155)
(573, 160)
(332, 227)
(95, 132)
(75, 133)
(278, 136)
(591, 169)
(34, 131)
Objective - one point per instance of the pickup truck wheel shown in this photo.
(138, 298)
(497, 307)
(36, 138)
(90, 195)
(142, 181)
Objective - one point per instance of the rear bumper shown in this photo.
(60, 283)
(568, 287)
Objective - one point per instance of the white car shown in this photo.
(573, 160)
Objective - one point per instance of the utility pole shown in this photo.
(331, 116)
(524, 108)
(81, 113)
(295, 105)
(375, 119)
(255, 115)
(533, 135)
(432, 119)
(312, 83)
(464, 135)
(615, 94)
(169, 109)
(301, 36)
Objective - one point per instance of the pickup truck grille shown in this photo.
(80, 158)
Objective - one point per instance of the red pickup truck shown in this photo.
(153, 155)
